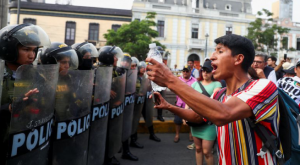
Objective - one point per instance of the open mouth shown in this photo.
(215, 67)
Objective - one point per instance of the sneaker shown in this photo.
(191, 147)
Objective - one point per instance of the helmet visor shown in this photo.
(124, 62)
(68, 58)
(88, 51)
(32, 36)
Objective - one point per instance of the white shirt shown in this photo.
(272, 77)
(195, 73)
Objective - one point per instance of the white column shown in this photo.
(173, 57)
(182, 31)
(181, 58)
(214, 34)
(243, 30)
(294, 41)
(200, 32)
(175, 31)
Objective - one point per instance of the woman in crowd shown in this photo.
(204, 135)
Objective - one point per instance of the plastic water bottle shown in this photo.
(154, 53)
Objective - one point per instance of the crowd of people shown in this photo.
(93, 108)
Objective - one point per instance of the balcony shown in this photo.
(194, 43)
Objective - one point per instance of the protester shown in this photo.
(204, 135)
(289, 72)
(261, 68)
(272, 63)
(195, 72)
(237, 142)
(189, 80)
(291, 85)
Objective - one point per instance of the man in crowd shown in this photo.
(233, 56)
(189, 80)
(195, 72)
(261, 68)
(272, 63)
(291, 85)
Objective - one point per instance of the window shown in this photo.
(285, 43)
(228, 30)
(197, 3)
(137, 19)
(29, 20)
(161, 28)
(115, 27)
(94, 31)
(298, 43)
(194, 32)
(70, 33)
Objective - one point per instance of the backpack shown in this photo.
(289, 130)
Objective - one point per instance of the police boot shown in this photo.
(134, 143)
(112, 161)
(152, 135)
(126, 152)
(159, 115)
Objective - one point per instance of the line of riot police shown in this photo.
(62, 111)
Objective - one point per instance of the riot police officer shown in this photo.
(130, 65)
(61, 53)
(19, 45)
(112, 55)
(85, 52)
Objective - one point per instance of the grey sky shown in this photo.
(257, 5)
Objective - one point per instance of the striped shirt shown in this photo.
(237, 142)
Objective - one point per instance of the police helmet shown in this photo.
(85, 49)
(58, 51)
(25, 34)
(135, 61)
(107, 54)
(86, 52)
(125, 62)
(142, 64)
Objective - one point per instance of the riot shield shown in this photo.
(139, 102)
(32, 116)
(72, 117)
(2, 66)
(148, 106)
(129, 103)
(99, 116)
(115, 119)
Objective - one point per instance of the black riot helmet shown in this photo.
(107, 54)
(85, 52)
(25, 34)
(57, 52)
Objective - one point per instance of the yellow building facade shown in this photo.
(187, 23)
(85, 23)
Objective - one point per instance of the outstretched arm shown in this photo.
(214, 111)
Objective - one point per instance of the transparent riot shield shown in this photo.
(129, 103)
(148, 106)
(32, 114)
(115, 119)
(141, 87)
(2, 66)
(72, 117)
(99, 116)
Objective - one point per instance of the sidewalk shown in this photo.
(165, 152)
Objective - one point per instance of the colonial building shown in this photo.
(188, 27)
(71, 24)
(283, 15)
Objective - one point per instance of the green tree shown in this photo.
(263, 32)
(134, 38)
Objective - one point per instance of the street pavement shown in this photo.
(165, 152)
